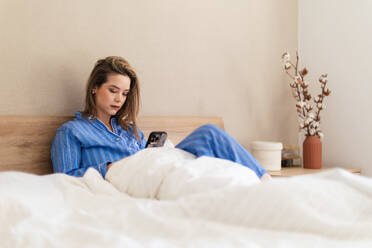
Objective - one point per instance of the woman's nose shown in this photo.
(118, 98)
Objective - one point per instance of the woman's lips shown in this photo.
(115, 107)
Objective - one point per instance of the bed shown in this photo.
(164, 197)
(31, 136)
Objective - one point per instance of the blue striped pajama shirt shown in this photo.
(87, 142)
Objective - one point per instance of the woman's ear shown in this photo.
(94, 90)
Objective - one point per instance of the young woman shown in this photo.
(106, 131)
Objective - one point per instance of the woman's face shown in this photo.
(111, 96)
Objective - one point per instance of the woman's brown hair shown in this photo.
(127, 115)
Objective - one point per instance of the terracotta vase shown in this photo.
(312, 152)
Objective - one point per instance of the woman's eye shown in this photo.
(125, 94)
(112, 91)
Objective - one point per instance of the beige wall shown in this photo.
(197, 57)
(335, 37)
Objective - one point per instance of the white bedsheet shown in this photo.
(164, 197)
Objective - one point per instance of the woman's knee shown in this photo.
(207, 132)
(209, 128)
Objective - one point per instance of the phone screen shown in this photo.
(156, 139)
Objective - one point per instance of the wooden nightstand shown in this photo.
(289, 172)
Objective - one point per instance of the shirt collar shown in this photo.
(79, 115)
(113, 121)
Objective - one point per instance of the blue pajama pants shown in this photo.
(210, 140)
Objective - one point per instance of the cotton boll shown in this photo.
(311, 116)
(300, 104)
(312, 131)
(286, 57)
(321, 106)
(322, 79)
(298, 79)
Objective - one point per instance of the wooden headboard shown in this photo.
(25, 141)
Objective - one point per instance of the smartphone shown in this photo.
(156, 139)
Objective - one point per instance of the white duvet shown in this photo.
(164, 197)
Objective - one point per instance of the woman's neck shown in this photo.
(106, 120)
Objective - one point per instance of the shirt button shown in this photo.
(117, 139)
